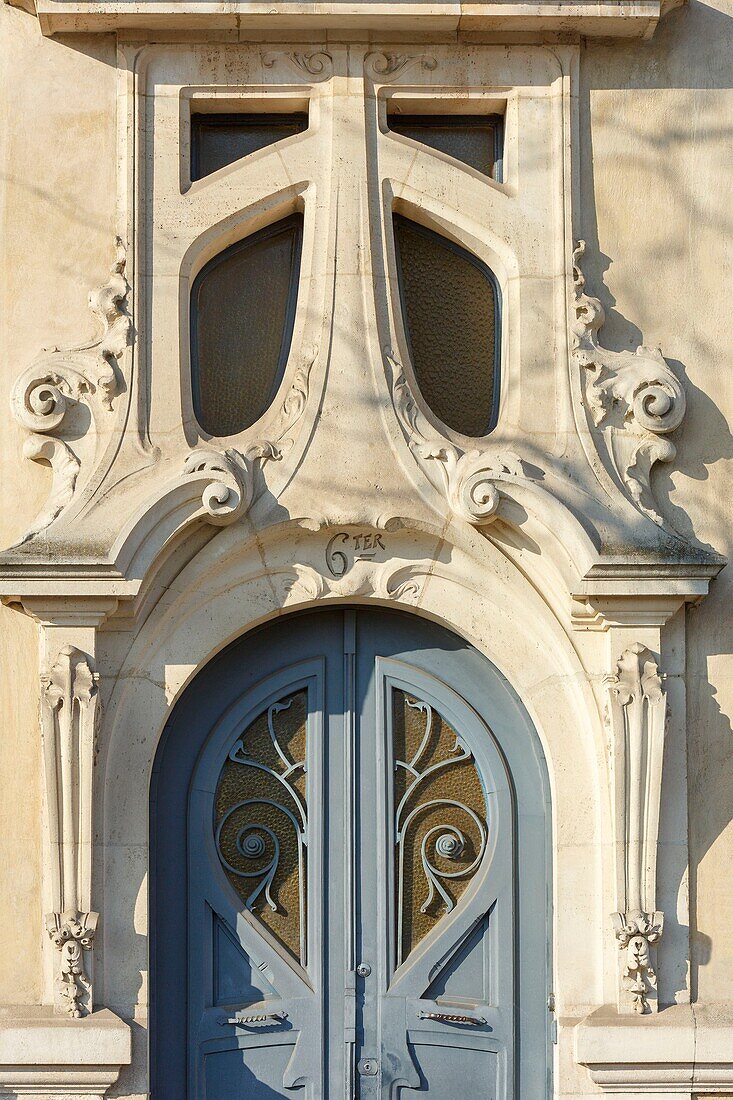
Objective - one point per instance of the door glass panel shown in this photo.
(473, 139)
(242, 313)
(450, 304)
(440, 813)
(218, 140)
(261, 823)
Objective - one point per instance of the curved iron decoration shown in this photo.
(450, 842)
(251, 842)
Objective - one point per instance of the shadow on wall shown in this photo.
(656, 133)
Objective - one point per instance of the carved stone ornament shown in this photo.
(469, 479)
(384, 67)
(230, 486)
(633, 396)
(637, 718)
(318, 63)
(381, 580)
(73, 933)
(69, 698)
(47, 395)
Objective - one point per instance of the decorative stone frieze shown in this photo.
(69, 708)
(633, 396)
(637, 717)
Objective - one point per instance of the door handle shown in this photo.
(256, 1018)
(450, 1018)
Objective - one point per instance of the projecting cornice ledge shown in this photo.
(682, 1049)
(591, 18)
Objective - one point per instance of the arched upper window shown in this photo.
(451, 311)
(242, 313)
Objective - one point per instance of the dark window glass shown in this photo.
(474, 139)
(217, 140)
(450, 303)
(242, 312)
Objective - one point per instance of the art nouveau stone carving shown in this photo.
(633, 396)
(467, 478)
(69, 699)
(637, 716)
(231, 489)
(318, 63)
(46, 396)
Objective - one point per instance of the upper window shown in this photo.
(242, 314)
(475, 140)
(218, 140)
(450, 305)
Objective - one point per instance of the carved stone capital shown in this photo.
(633, 397)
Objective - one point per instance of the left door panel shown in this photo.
(250, 841)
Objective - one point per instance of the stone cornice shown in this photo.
(606, 18)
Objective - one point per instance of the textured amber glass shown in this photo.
(242, 313)
(474, 139)
(260, 820)
(440, 819)
(451, 312)
(218, 140)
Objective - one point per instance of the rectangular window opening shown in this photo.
(476, 140)
(221, 139)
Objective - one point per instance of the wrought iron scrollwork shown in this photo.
(262, 839)
(450, 834)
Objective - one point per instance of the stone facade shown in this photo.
(581, 546)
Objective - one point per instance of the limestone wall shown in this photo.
(657, 200)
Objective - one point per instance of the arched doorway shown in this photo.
(350, 887)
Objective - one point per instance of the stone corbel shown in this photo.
(636, 718)
(634, 398)
(69, 696)
(47, 397)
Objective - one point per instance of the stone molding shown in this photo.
(687, 1049)
(44, 1056)
(608, 18)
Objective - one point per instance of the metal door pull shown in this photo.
(448, 1018)
(261, 1018)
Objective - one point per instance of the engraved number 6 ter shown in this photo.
(336, 560)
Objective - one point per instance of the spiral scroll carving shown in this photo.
(469, 479)
(231, 476)
(47, 395)
(634, 397)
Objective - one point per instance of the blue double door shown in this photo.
(349, 880)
